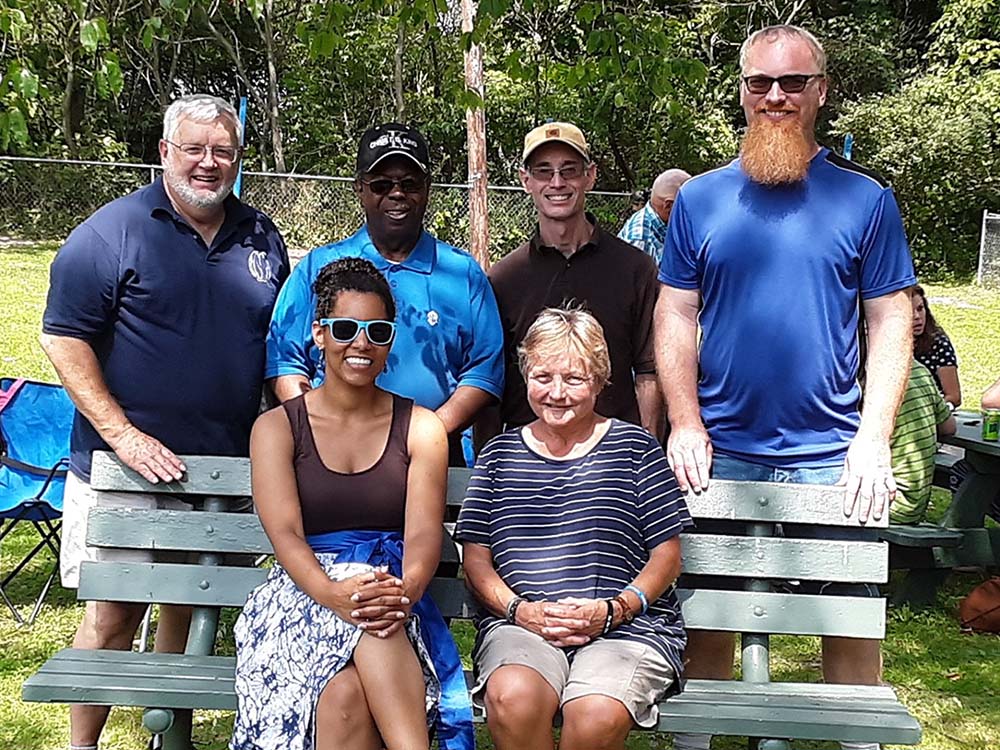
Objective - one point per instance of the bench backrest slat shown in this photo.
(703, 609)
(769, 502)
(703, 554)
(206, 475)
(764, 502)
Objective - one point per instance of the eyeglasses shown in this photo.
(793, 83)
(197, 151)
(567, 172)
(345, 330)
(571, 381)
(385, 185)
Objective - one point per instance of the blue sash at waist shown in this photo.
(385, 548)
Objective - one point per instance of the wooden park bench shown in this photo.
(753, 706)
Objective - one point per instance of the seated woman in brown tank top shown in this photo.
(339, 647)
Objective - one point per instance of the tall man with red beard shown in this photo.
(776, 255)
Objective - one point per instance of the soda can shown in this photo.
(991, 424)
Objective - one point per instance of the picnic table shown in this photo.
(962, 538)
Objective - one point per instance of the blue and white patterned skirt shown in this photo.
(288, 647)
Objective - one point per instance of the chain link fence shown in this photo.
(988, 273)
(45, 199)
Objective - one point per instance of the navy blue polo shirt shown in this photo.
(178, 327)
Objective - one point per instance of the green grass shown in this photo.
(950, 681)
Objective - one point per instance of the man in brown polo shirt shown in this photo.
(571, 258)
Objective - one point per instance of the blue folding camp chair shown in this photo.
(35, 423)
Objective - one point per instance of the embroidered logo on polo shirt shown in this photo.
(433, 317)
(259, 265)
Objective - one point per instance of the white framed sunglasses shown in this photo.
(345, 330)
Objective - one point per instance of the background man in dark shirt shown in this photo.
(570, 257)
(155, 322)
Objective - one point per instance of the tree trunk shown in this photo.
(69, 105)
(475, 120)
(397, 72)
(274, 114)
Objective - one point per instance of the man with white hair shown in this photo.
(776, 256)
(155, 322)
(647, 227)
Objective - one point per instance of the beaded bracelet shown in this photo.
(512, 606)
(609, 618)
(642, 597)
(627, 615)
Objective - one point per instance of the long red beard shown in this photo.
(775, 153)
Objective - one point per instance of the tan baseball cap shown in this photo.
(556, 132)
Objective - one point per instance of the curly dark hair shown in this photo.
(925, 341)
(350, 275)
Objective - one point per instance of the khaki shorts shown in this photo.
(634, 674)
(78, 500)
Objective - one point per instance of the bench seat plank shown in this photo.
(921, 535)
(805, 711)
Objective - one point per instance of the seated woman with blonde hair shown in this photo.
(570, 535)
(339, 648)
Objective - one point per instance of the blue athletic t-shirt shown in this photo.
(447, 326)
(780, 271)
(178, 328)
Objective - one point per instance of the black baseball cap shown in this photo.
(392, 139)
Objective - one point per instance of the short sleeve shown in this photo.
(679, 264)
(83, 286)
(643, 343)
(474, 519)
(483, 367)
(289, 336)
(941, 410)
(663, 513)
(886, 265)
(944, 351)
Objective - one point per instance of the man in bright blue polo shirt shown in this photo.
(774, 255)
(155, 321)
(448, 351)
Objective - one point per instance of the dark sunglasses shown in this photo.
(793, 83)
(384, 185)
(345, 330)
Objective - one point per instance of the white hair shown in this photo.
(200, 108)
(771, 34)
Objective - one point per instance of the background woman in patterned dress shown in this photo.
(933, 349)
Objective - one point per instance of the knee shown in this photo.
(516, 696)
(596, 722)
(108, 625)
(342, 702)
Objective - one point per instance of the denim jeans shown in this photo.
(728, 467)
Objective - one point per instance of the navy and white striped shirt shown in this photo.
(581, 527)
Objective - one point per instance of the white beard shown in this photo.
(198, 199)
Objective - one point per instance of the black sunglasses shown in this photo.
(793, 83)
(345, 330)
(385, 185)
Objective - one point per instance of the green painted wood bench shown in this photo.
(752, 557)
